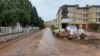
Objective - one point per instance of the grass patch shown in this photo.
(95, 42)
(96, 31)
(53, 28)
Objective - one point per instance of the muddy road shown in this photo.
(43, 43)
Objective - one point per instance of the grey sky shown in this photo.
(47, 9)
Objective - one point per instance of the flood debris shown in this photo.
(71, 32)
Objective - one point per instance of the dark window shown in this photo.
(0, 29)
(97, 14)
(96, 19)
(74, 20)
(85, 15)
(64, 15)
(85, 10)
(85, 20)
(99, 19)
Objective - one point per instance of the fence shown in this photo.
(7, 33)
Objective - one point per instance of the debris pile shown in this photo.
(71, 32)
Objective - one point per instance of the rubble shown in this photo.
(79, 34)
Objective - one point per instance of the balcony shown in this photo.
(66, 20)
(71, 21)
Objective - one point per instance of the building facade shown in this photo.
(51, 23)
(79, 16)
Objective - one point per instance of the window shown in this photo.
(64, 15)
(73, 20)
(85, 20)
(0, 29)
(98, 14)
(70, 9)
(85, 15)
(97, 9)
(85, 10)
(70, 14)
(97, 19)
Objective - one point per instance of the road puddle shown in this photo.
(47, 45)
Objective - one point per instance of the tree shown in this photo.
(93, 26)
(35, 17)
(8, 13)
(22, 11)
(40, 23)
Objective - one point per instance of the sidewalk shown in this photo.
(94, 34)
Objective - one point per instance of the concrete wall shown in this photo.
(6, 33)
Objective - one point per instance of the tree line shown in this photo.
(19, 11)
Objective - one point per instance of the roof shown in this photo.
(66, 6)
(73, 5)
(95, 6)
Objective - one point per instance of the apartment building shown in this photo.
(79, 16)
(50, 23)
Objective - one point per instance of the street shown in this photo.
(43, 43)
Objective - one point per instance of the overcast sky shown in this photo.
(47, 9)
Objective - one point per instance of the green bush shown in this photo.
(93, 26)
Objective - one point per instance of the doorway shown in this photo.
(64, 25)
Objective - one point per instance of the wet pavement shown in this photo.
(43, 43)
